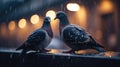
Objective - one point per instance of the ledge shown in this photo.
(12, 59)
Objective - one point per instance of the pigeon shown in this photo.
(75, 36)
(39, 39)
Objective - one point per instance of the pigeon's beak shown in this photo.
(49, 20)
(55, 18)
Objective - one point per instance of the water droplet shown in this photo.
(76, 38)
(6, 12)
(10, 8)
(23, 60)
(53, 56)
(11, 55)
(68, 57)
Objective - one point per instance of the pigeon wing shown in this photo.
(33, 40)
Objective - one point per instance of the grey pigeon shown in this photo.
(75, 36)
(39, 39)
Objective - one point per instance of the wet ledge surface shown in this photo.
(11, 58)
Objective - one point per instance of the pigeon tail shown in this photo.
(19, 48)
(99, 49)
(96, 42)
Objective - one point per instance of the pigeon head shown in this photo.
(60, 15)
(47, 20)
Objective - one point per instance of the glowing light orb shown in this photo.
(11, 25)
(73, 7)
(22, 23)
(51, 14)
(35, 19)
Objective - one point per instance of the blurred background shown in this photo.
(19, 18)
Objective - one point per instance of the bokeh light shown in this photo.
(73, 7)
(51, 14)
(3, 29)
(34, 19)
(22, 23)
(54, 51)
(106, 6)
(11, 25)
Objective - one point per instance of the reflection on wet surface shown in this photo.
(110, 54)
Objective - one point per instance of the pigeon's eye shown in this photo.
(60, 15)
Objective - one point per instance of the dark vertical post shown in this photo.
(107, 28)
(117, 2)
